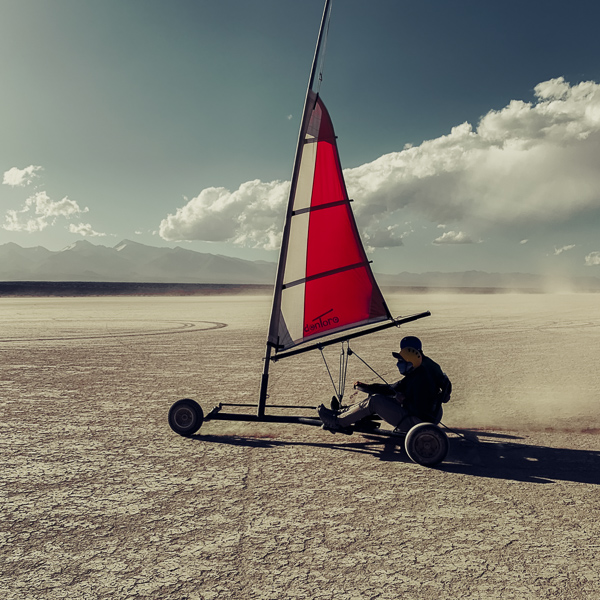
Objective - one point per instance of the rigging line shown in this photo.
(370, 367)
(341, 372)
(340, 375)
(343, 369)
(348, 353)
(329, 372)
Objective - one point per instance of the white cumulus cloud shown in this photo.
(384, 237)
(85, 230)
(592, 259)
(249, 216)
(20, 177)
(454, 237)
(526, 162)
(530, 162)
(40, 211)
(558, 251)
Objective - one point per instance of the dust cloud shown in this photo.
(520, 361)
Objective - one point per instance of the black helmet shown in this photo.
(410, 341)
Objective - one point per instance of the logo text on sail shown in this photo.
(321, 322)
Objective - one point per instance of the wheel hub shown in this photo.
(184, 417)
(427, 445)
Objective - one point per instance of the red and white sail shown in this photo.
(325, 283)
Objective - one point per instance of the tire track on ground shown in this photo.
(183, 327)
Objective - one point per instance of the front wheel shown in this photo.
(426, 444)
(186, 417)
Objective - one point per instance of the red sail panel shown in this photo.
(328, 183)
(342, 301)
(332, 240)
(333, 289)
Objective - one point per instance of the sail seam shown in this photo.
(307, 209)
(325, 274)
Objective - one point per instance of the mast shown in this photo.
(275, 310)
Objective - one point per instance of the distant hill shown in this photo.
(129, 262)
(132, 262)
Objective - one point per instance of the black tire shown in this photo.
(185, 417)
(426, 444)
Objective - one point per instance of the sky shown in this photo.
(469, 131)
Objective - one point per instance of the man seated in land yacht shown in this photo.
(417, 397)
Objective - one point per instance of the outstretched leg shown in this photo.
(387, 407)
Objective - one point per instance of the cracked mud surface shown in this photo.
(100, 499)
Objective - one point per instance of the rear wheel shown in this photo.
(185, 417)
(426, 444)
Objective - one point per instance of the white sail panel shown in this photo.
(306, 174)
(292, 311)
(295, 267)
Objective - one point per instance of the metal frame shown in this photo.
(216, 415)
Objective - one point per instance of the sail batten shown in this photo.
(324, 274)
(301, 211)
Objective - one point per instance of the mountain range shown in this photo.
(138, 263)
(128, 262)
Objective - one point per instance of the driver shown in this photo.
(417, 397)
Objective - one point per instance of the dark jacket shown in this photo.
(424, 390)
